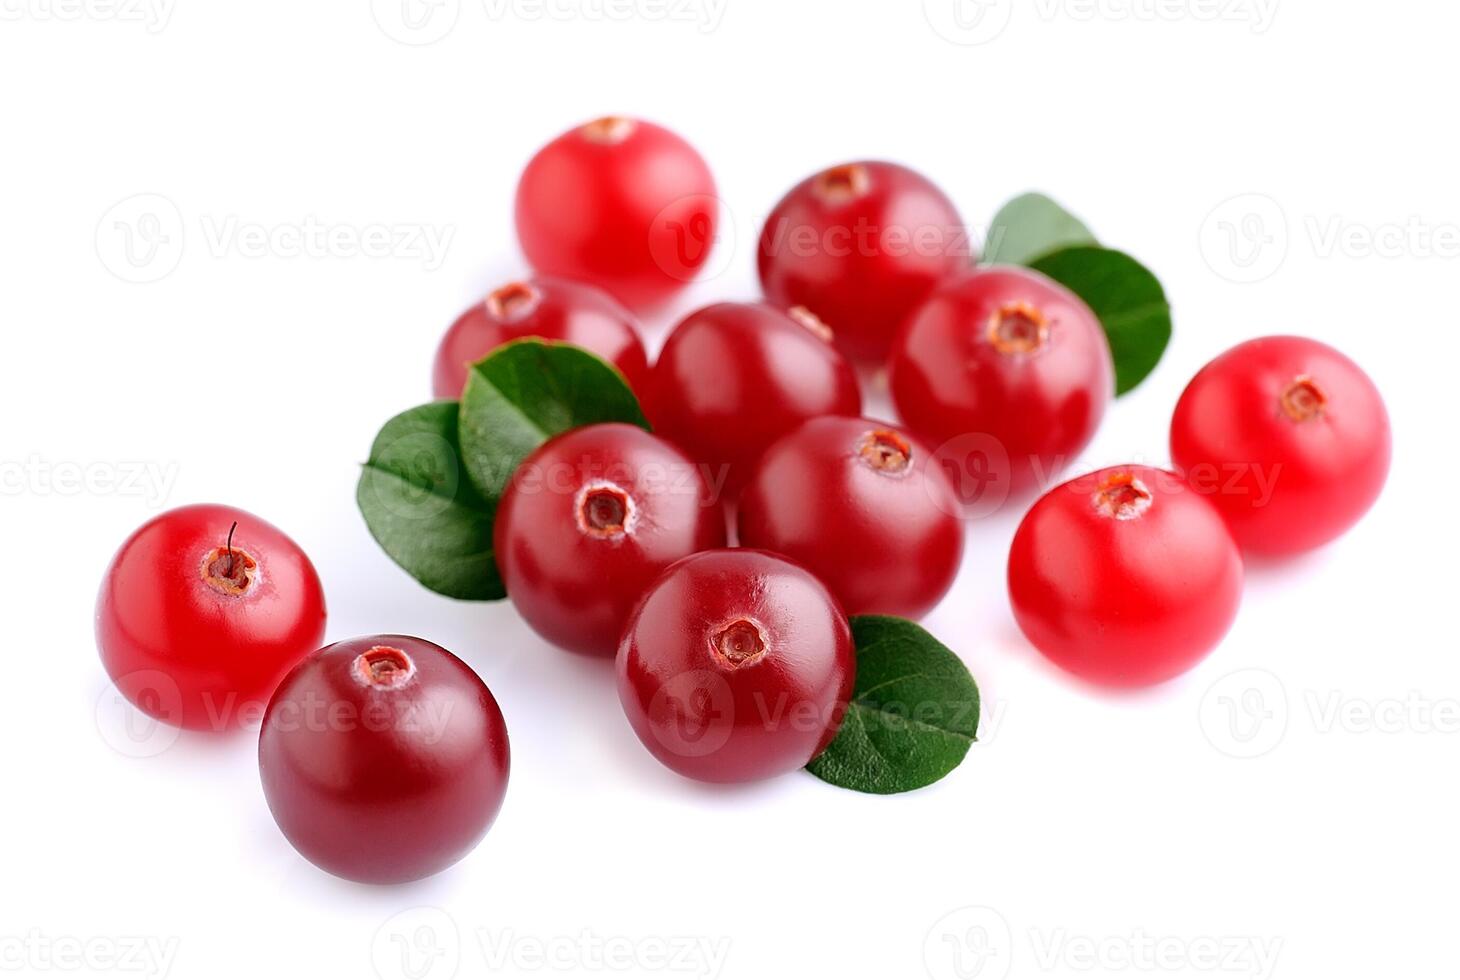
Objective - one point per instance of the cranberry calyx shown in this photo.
(1303, 399)
(1018, 328)
(1123, 497)
(605, 510)
(385, 667)
(740, 643)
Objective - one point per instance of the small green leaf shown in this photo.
(423, 511)
(913, 714)
(1031, 226)
(525, 393)
(1126, 297)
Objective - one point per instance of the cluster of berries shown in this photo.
(385, 758)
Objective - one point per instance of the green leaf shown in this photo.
(1031, 226)
(913, 714)
(423, 511)
(1126, 297)
(525, 393)
(436, 473)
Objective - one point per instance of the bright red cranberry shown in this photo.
(860, 245)
(1125, 577)
(589, 520)
(736, 666)
(735, 377)
(384, 759)
(862, 505)
(620, 203)
(1011, 364)
(1288, 438)
(550, 309)
(201, 612)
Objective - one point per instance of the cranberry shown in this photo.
(201, 612)
(1125, 577)
(736, 666)
(735, 377)
(860, 245)
(384, 759)
(1288, 437)
(589, 520)
(550, 309)
(620, 203)
(1010, 366)
(862, 505)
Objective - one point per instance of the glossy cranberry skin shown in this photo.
(384, 759)
(1010, 362)
(1125, 577)
(589, 520)
(735, 377)
(549, 309)
(196, 636)
(736, 666)
(621, 203)
(1288, 438)
(860, 245)
(864, 507)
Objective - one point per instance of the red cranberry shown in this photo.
(735, 377)
(737, 665)
(1125, 577)
(1288, 438)
(589, 520)
(550, 309)
(201, 612)
(860, 245)
(1011, 364)
(384, 759)
(864, 507)
(620, 203)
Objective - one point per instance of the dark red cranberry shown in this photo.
(550, 309)
(862, 505)
(735, 377)
(384, 759)
(589, 520)
(1007, 374)
(860, 245)
(736, 666)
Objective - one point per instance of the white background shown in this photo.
(1084, 829)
